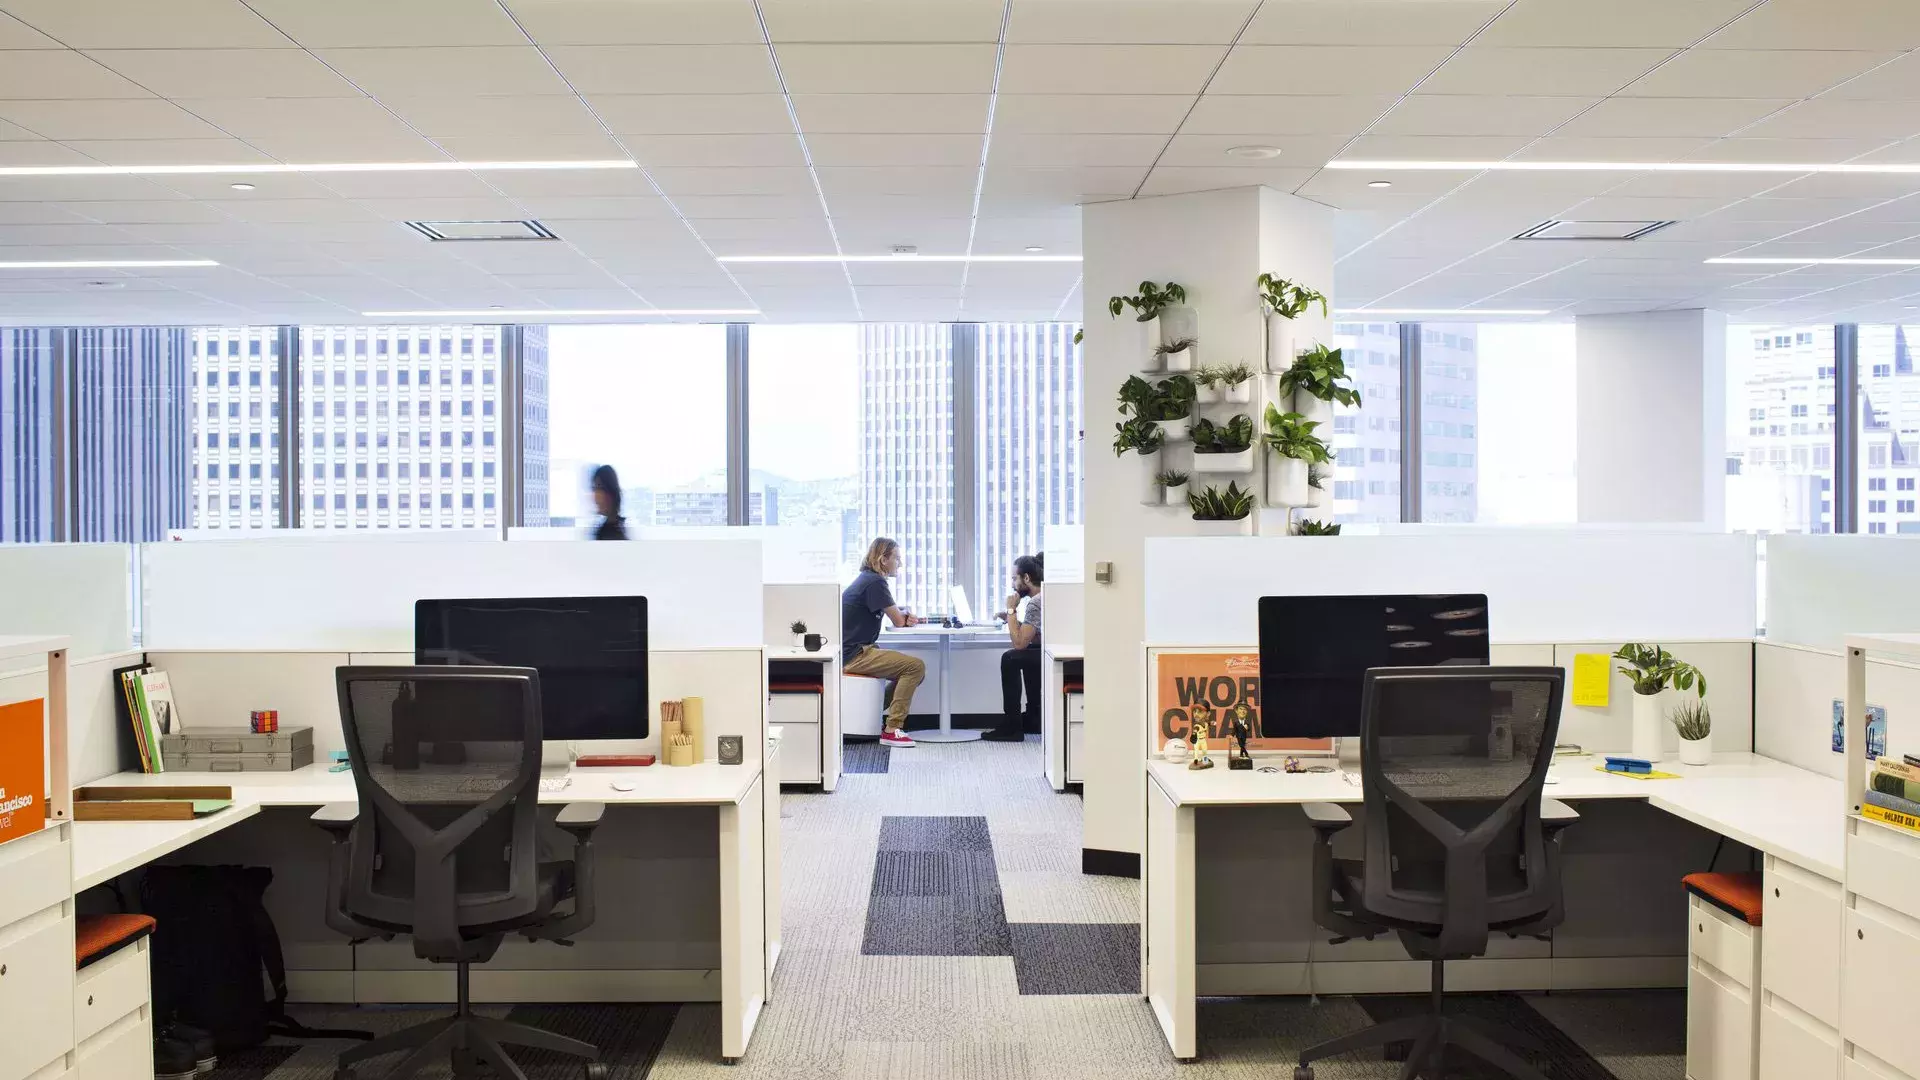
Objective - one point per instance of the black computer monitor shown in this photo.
(590, 651)
(1314, 651)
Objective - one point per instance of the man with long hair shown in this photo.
(861, 607)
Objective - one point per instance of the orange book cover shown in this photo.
(23, 768)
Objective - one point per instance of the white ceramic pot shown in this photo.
(1279, 343)
(1150, 465)
(1697, 751)
(1240, 393)
(1146, 342)
(1174, 494)
(1242, 527)
(1241, 462)
(1286, 482)
(1178, 361)
(1649, 726)
(1175, 431)
(799, 641)
(1315, 411)
(1206, 395)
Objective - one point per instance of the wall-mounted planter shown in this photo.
(1206, 395)
(1240, 393)
(1150, 467)
(1315, 410)
(1147, 340)
(1317, 496)
(1175, 431)
(1287, 482)
(1178, 361)
(1279, 344)
(1241, 462)
(1174, 495)
(1240, 527)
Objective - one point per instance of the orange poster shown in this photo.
(1222, 681)
(23, 768)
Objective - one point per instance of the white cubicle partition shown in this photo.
(1065, 548)
(81, 591)
(1821, 588)
(1541, 585)
(332, 597)
(1795, 689)
(342, 536)
(789, 553)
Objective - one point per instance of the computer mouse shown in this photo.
(623, 785)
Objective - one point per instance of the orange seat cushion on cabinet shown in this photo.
(1737, 894)
(99, 936)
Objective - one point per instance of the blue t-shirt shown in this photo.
(860, 608)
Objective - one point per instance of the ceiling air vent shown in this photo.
(1555, 229)
(482, 230)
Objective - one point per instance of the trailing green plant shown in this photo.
(1286, 299)
(1229, 438)
(1291, 436)
(798, 627)
(1167, 478)
(1692, 719)
(1167, 347)
(1320, 371)
(1212, 504)
(1309, 527)
(1142, 437)
(1151, 301)
(1653, 669)
(1169, 399)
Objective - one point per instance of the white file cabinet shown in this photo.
(1799, 975)
(1879, 950)
(36, 955)
(1723, 969)
(799, 716)
(1076, 709)
(112, 1018)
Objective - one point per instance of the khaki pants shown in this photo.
(905, 672)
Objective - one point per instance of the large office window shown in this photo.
(1497, 423)
(907, 453)
(1365, 485)
(1027, 445)
(236, 427)
(804, 435)
(649, 401)
(1889, 466)
(401, 427)
(129, 401)
(26, 435)
(1780, 426)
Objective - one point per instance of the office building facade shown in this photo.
(130, 403)
(907, 453)
(27, 447)
(236, 427)
(1029, 440)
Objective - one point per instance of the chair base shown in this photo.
(471, 1042)
(1430, 1035)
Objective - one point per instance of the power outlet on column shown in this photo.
(1103, 573)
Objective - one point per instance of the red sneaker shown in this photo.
(895, 739)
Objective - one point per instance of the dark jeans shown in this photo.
(1017, 667)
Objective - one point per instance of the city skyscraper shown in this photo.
(906, 453)
(26, 435)
(1780, 459)
(535, 455)
(236, 427)
(131, 400)
(1028, 418)
(1366, 440)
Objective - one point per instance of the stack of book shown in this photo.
(1893, 793)
(150, 712)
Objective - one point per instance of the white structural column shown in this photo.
(1215, 243)
(1651, 393)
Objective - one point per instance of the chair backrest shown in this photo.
(446, 762)
(1453, 765)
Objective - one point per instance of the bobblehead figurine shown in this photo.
(1201, 722)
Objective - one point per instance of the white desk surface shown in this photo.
(933, 630)
(795, 652)
(1073, 651)
(103, 850)
(1765, 804)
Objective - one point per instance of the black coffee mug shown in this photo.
(813, 642)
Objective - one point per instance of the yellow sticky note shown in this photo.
(1591, 671)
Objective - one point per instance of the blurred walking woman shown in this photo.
(606, 500)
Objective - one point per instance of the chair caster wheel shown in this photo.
(1303, 1072)
(595, 1070)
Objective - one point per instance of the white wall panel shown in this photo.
(80, 590)
(1727, 665)
(1064, 614)
(789, 553)
(1822, 588)
(1794, 691)
(816, 605)
(1541, 585)
(319, 597)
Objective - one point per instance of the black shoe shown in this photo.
(198, 1040)
(173, 1060)
(1004, 735)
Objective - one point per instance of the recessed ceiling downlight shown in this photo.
(1256, 151)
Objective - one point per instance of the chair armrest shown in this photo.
(1328, 819)
(1555, 812)
(1326, 816)
(580, 818)
(337, 818)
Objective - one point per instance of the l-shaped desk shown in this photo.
(749, 872)
(1791, 815)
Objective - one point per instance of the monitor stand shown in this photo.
(1347, 750)
(556, 757)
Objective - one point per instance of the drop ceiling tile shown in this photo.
(1811, 151)
(1614, 208)
(402, 185)
(1210, 151)
(1624, 117)
(30, 74)
(666, 69)
(934, 237)
(168, 151)
(432, 209)
(215, 73)
(304, 147)
(346, 24)
(700, 180)
(933, 114)
(518, 147)
(923, 205)
(1128, 22)
(1368, 22)
(1898, 80)
(553, 208)
(1107, 69)
(1084, 114)
(15, 34)
(1473, 114)
(717, 150)
(180, 211)
(1434, 148)
(1617, 24)
(1754, 73)
(883, 20)
(697, 207)
(881, 180)
(906, 272)
(1830, 118)
(282, 211)
(148, 118)
(888, 69)
(1823, 24)
(1174, 179)
(1573, 71)
(1281, 114)
(247, 117)
(693, 114)
(1729, 185)
(42, 152)
(426, 72)
(1063, 185)
(455, 117)
(214, 186)
(898, 150)
(626, 22)
(1304, 69)
(1577, 148)
(1077, 150)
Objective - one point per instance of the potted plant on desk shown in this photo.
(1654, 669)
(799, 630)
(1694, 722)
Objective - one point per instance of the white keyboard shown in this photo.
(551, 784)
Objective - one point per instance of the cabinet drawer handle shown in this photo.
(89, 999)
(1776, 894)
(1701, 927)
(3, 969)
(1861, 934)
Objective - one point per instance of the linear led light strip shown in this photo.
(1444, 312)
(260, 168)
(899, 258)
(1627, 166)
(106, 264)
(1842, 261)
(544, 313)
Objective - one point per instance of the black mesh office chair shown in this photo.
(1459, 841)
(442, 845)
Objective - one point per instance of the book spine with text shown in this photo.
(1909, 822)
